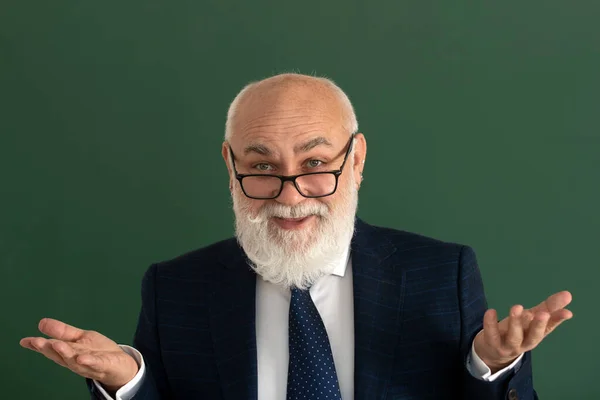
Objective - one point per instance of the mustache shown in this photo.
(299, 211)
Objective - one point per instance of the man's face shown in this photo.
(291, 135)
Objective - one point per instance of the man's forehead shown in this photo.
(300, 145)
(284, 116)
(299, 135)
(282, 106)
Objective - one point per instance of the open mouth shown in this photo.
(292, 223)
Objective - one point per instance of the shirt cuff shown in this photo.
(480, 370)
(130, 389)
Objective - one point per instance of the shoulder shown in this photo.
(412, 251)
(422, 262)
(200, 263)
(403, 240)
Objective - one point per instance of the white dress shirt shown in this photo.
(333, 297)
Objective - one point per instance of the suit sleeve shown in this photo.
(154, 385)
(473, 304)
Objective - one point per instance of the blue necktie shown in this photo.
(311, 371)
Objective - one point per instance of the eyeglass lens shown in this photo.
(308, 185)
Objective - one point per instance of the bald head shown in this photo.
(289, 96)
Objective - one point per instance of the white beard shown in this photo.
(296, 258)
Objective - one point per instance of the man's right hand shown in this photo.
(87, 353)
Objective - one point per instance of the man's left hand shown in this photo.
(500, 343)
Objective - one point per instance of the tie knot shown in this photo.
(297, 291)
(300, 296)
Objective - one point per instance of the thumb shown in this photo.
(59, 330)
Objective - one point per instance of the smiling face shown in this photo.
(290, 125)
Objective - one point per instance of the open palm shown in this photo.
(87, 353)
(500, 343)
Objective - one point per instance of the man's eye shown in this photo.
(314, 163)
(262, 167)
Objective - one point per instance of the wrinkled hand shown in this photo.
(87, 353)
(500, 343)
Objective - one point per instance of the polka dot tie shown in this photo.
(311, 371)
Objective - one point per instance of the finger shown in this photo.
(557, 318)
(70, 355)
(526, 318)
(70, 352)
(59, 330)
(37, 342)
(554, 302)
(26, 342)
(537, 330)
(92, 361)
(44, 346)
(514, 336)
(64, 350)
(490, 328)
(98, 362)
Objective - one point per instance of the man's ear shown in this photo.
(228, 163)
(360, 154)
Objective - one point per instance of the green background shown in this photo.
(482, 122)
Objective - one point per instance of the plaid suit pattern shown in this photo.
(418, 303)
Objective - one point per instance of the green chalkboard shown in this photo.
(482, 121)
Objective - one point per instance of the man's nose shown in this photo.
(289, 195)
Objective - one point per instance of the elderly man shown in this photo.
(307, 301)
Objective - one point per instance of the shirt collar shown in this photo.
(342, 264)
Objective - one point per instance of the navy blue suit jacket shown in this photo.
(418, 303)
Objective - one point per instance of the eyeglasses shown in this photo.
(310, 185)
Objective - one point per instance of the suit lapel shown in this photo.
(378, 291)
(232, 322)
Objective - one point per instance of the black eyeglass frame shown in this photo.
(292, 178)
